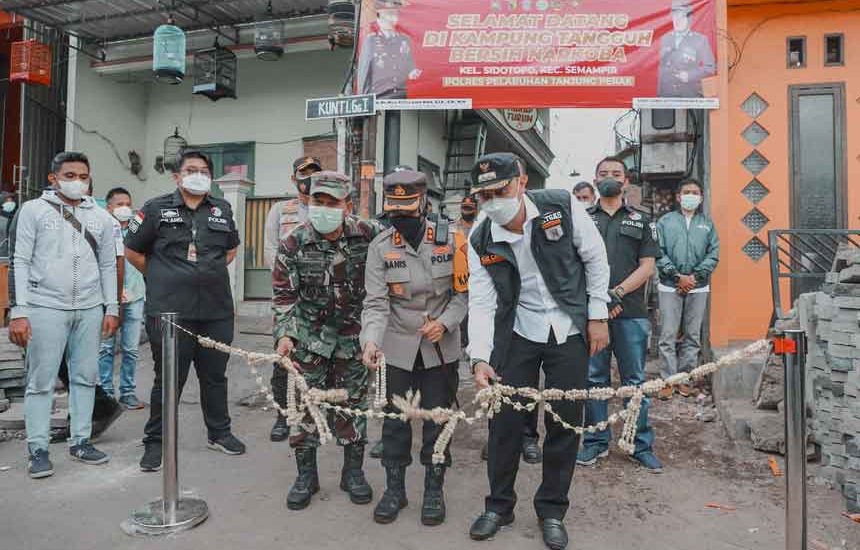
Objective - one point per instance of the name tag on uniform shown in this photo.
(490, 259)
(551, 225)
(170, 215)
(192, 252)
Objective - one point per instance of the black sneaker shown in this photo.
(227, 445)
(86, 453)
(40, 465)
(151, 461)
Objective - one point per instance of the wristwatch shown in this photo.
(620, 291)
(474, 362)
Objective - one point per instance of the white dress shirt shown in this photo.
(537, 311)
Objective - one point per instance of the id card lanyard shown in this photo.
(192, 246)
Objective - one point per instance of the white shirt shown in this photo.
(537, 311)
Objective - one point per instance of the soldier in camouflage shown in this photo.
(318, 284)
(283, 217)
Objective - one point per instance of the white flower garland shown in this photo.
(303, 401)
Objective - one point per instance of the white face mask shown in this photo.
(197, 184)
(501, 210)
(73, 190)
(123, 213)
(9, 207)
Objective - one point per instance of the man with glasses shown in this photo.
(183, 242)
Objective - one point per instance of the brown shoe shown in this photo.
(666, 393)
(684, 390)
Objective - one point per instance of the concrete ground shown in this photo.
(614, 505)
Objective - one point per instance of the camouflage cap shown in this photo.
(334, 184)
(403, 190)
(494, 171)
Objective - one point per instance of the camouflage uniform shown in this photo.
(318, 294)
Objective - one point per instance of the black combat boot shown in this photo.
(352, 478)
(307, 481)
(394, 498)
(433, 508)
(280, 431)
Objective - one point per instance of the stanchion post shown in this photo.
(792, 346)
(170, 513)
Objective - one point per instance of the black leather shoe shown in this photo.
(488, 524)
(280, 431)
(554, 534)
(531, 450)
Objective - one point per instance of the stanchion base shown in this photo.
(150, 520)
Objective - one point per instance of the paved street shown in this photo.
(615, 505)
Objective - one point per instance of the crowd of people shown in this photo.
(525, 281)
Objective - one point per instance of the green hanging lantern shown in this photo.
(168, 53)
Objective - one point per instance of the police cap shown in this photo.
(334, 184)
(388, 4)
(682, 5)
(303, 163)
(403, 190)
(495, 171)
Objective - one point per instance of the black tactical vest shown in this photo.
(556, 257)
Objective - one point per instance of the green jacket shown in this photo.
(693, 251)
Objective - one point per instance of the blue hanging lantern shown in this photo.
(168, 53)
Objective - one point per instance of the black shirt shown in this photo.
(629, 235)
(164, 230)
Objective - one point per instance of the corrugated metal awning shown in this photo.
(105, 21)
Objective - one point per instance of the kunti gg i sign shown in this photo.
(338, 107)
(536, 53)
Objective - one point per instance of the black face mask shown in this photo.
(609, 188)
(412, 229)
(469, 215)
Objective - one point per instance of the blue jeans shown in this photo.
(629, 344)
(129, 337)
(53, 331)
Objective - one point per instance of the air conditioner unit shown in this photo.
(667, 138)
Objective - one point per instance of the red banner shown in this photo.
(536, 53)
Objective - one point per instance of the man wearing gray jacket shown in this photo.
(63, 293)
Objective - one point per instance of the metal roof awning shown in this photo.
(106, 21)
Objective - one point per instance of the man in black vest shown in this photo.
(537, 267)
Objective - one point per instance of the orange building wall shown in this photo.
(742, 302)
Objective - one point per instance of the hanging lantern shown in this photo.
(215, 73)
(173, 147)
(168, 53)
(341, 23)
(269, 36)
(31, 62)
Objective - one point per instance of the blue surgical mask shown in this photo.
(325, 219)
(9, 207)
(690, 202)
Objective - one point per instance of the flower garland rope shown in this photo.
(303, 401)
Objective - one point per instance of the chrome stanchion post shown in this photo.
(170, 513)
(794, 353)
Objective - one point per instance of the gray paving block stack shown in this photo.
(13, 377)
(831, 319)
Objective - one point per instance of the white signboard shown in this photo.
(521, 120)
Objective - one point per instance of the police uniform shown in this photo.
(385, 61)
(318, 288)
(283, 217)
(531, 297)
(630, 236)
(688, 52)
(408, 285)
(186, 273)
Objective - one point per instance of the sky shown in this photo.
(580, 138)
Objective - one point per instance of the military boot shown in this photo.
(280, 431)
(352, 478)
(307, 482)
(394, 498)
(433, 508)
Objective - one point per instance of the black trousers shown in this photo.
(438, 386)
(210, 366)
(279, 384)
(565, 367)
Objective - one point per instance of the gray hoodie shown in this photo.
(54, 266)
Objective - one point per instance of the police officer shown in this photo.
(685, 56)
(283, 217)
(386, 62)
(318, 287)
(537, 300)
(183, 242)
(632, 249)
(412, 314)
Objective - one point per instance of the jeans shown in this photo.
(129, 337)
(686, 313)
(54, 330)
(565, 367)
(629, 343)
